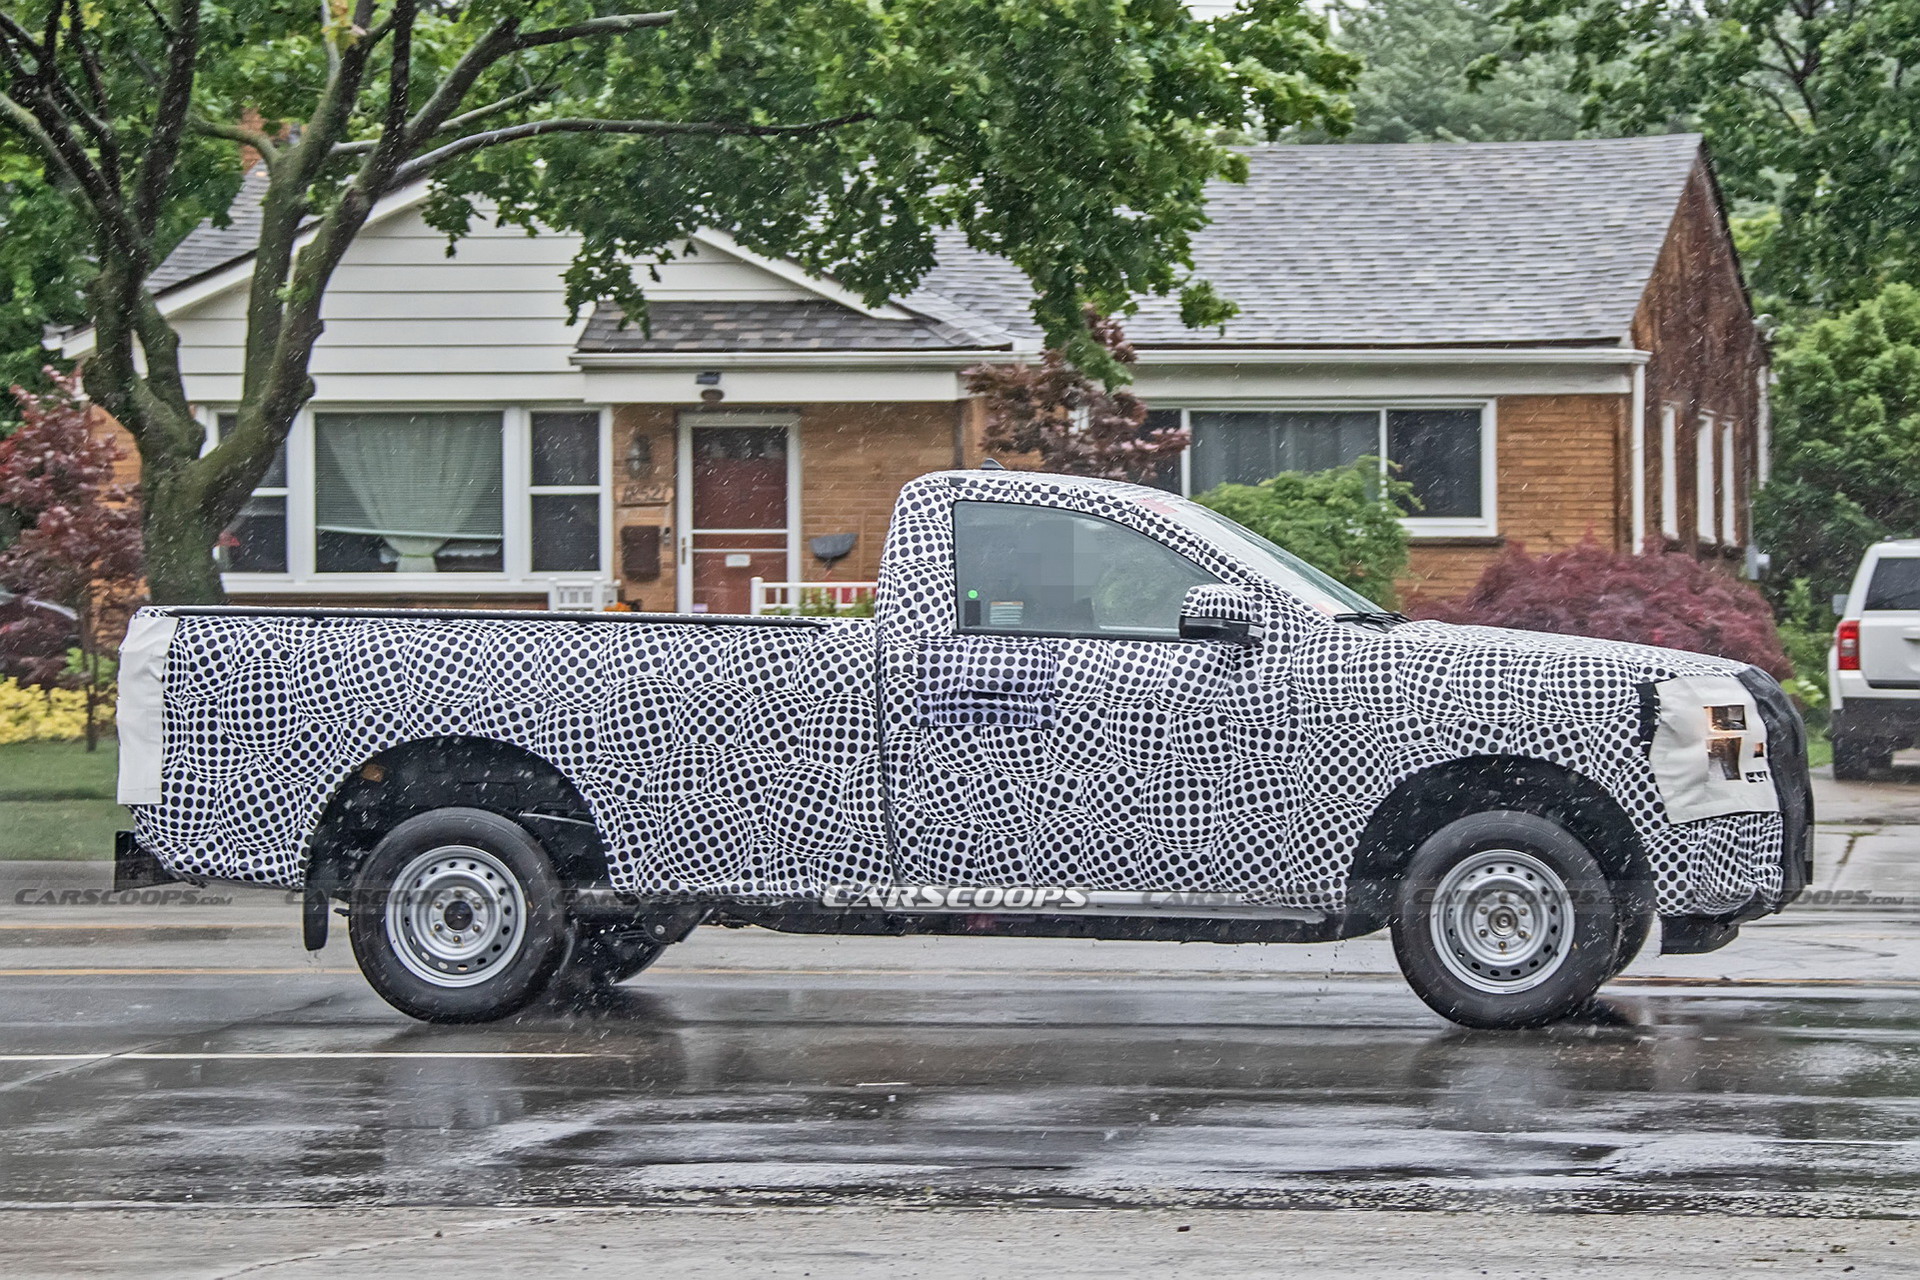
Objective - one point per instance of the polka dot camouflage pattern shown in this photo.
(770, 762)
(1183, 765)
(716, 759)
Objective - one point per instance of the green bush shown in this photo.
(1344, 522)
(1806, 632)
(1846, 443)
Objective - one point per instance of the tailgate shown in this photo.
(1890, 624)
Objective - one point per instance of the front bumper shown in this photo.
(1793, 784)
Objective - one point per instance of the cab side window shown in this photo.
(1042, 571)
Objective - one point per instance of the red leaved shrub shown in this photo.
(1662, 598)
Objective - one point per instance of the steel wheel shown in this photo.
(1500, 920)
(1504, 919)
(455, 915)
(458, 916)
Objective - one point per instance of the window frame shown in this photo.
(1131, 637)
(1419, 528)
(516, 577)
(1706, 480)
(211, 421)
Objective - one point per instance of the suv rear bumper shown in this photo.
(1895, 719)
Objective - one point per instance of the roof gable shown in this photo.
(1326, 246)
(1420, 244)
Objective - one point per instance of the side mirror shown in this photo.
(1229, 615)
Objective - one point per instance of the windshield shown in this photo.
(1273, 562)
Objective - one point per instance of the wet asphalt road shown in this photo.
(222, 1103)
(208, 1060)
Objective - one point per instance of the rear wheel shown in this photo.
(458, 916)
(1856, 758)
(1504, 920)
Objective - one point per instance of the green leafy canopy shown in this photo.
(1846, 441)
(1806, 104)
(1073, 137)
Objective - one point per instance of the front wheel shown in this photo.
(1504, 920)
(458, 916)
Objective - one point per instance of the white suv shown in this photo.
(1873, 668)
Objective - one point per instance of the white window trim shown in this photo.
(1703, 478)
(515, 578)
(604, 490)
(1638, 460)
(1669, 472)
(1728, 519)
(1485, 525)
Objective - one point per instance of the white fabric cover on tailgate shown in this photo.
(143, 668)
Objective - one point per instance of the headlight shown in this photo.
(1709, 750)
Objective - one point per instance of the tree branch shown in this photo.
(459, 122)
(496, 44)
(423, 165)
(22, 121)
(269, 150)
(399, 71)
(170, 119)
(618, 24)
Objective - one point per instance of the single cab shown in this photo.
(1081, 709)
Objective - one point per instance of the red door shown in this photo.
(739, 507)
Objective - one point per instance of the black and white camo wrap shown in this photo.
(748, 761)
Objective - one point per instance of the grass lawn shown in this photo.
(56, 800)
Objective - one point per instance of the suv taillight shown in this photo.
(1846, 645)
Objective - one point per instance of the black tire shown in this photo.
(1636, 926)
(458, 916)
(1857, 758)
(1552, 928)
(607, 956)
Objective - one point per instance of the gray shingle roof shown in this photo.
(777, 326)
(1343, 245)
(207, 247)
(1407, 244)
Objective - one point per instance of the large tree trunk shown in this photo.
(179, 535)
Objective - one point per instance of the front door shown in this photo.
(735, 514)
(1048, 737)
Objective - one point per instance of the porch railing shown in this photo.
(792, 597)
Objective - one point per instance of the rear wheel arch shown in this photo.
(424, 774)
(1424, 803)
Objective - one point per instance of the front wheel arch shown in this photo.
(1427, 801)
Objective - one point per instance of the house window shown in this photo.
(408, 493)
(1441, 452)
(1669, 473)
(1728, 519)
(1703, 479)
(256, 542)
(565, 491)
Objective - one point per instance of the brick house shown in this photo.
(1551, 341)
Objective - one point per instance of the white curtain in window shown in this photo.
(414, 480)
